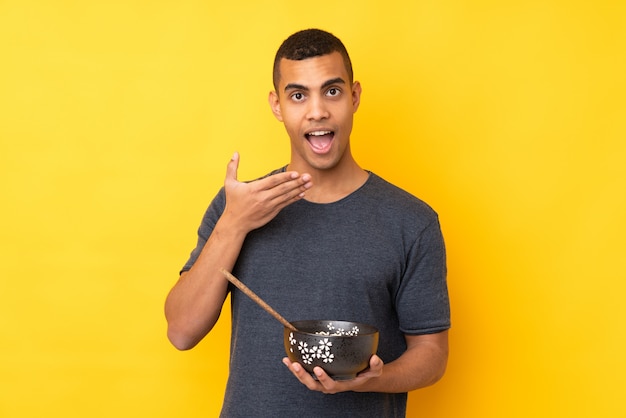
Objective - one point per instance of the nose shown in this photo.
(317, 109)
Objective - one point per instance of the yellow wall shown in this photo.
(117, 119)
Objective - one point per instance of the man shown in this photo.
(320, 238)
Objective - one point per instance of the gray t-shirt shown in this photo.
(376, 256)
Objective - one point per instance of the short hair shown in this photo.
(310, 43)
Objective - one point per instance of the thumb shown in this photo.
(231, 168)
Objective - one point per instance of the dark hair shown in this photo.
(310, 43)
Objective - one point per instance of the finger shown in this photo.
(302, 375)
(375, 368)
(295, 188)
(327, 382)
(231, 168)
(277, 194)
(277, 180)
(376, 363)
(282, 201)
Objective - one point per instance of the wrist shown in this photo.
(228, 227)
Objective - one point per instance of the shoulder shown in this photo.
(393, 198)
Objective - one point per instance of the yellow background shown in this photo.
(117, 119)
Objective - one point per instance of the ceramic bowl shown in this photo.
(341, 348)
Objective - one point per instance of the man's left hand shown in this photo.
(326, 384)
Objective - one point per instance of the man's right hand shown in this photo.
(251, 205)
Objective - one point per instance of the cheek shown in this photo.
(293, 129)
(291, 122)
(346, 118)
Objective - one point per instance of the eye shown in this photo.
(333, 92)
(297, 97)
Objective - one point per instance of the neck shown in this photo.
(333, 184)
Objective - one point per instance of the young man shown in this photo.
(320, 238)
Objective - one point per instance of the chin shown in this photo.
(323, 164)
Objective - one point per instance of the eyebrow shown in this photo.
(296, 86)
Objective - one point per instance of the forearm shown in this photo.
(422, 364)
(194, 304)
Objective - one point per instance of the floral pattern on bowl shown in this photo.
(323, 349)
(341, 348)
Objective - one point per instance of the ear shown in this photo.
(356, 95)
(275, 105)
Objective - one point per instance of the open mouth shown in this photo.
(320, 140)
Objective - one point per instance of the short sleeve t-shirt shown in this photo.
(376, 256)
